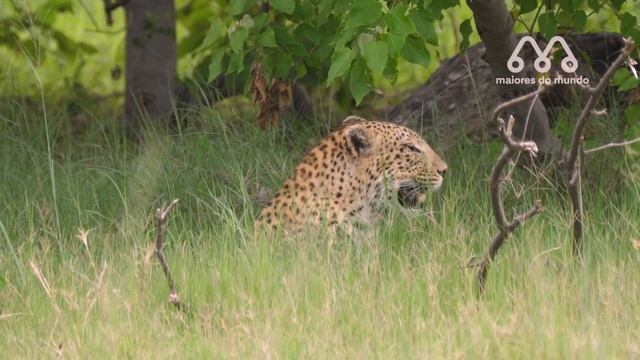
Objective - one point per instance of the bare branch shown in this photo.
(572, 156)
(161, 217)
(586, 88)
(520, 99)
(570, 159)
(612, 145)
(109, 7)
(505, 228)
(602, 112)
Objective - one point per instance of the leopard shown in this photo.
(353, 174)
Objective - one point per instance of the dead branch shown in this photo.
(161, 217)
(611, 145)
(109, 7)
(505, 228)
(571, 160)
(520, 99)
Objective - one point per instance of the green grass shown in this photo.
(404, 293)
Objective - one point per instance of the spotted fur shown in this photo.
(353, 173)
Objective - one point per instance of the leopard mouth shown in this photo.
(411, 195)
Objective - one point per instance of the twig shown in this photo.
(505, 228)
(611, 145)
(110, 6)
(161, 217)
(570, 160)
(520, 99)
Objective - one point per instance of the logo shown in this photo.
(542, 64)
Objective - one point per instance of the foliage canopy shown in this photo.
(328, 41)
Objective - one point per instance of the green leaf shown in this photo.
(59, 5)
(267, 38)
(439, 5)
(398, 22)
(634, 33)
(285, 6)
(395, 43)
(579, 20)
(627, 22)
(236, 63)
(631, 116)
(340, 63)
(189, 44)
(324, 9)
(465, 31)
(237, 38)
(310, 33)
(358, 81)
(620, 76)
(548, 24)
(215, 66)
(566, 5)
(594, 4)
(260, 21)
(301, 70)
(65, 44)
(324, 49)
(414, 51)
(47, 13)
(283, 37)
(617, 4)
(87, 48)
(215, 32)
(341, 7)
(425, 25)
(238, 6)
(281, 64)
(391, 71)
(630, 83)
(624, 80)
(363, 12)
(375, 54)
(304, 10)
(344, 36)
(527, 6)
(297, 50)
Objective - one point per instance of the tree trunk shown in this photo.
(151, 59)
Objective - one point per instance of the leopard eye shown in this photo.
(413, 148)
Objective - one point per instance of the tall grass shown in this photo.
(89, 286)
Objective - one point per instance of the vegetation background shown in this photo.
(77, 199)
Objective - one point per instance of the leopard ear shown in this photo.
(352, 119)
(358, 141)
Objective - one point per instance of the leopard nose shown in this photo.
(442, 171)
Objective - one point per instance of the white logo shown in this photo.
(542, 64)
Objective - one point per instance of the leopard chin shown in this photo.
(412, 195)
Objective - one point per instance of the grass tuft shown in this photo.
(87, 285)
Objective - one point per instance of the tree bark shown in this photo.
(151, 61)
